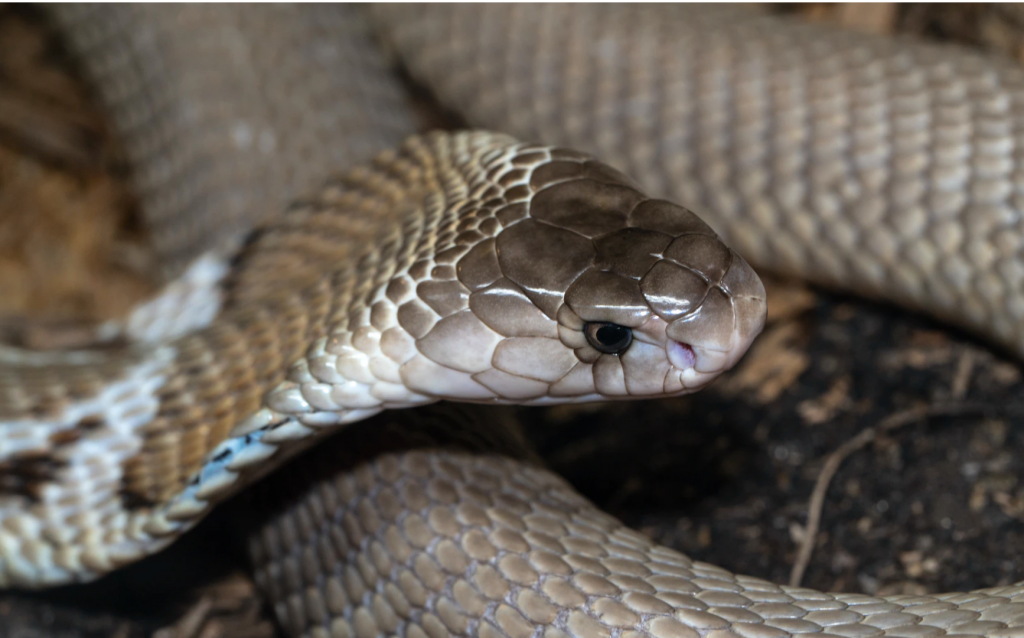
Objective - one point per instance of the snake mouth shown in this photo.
(681, 355)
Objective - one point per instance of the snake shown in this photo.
(328, 263)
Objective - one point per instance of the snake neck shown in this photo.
(141, 441)
(309, 337)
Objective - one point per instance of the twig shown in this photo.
(189, 625)
(836, 458)
(962, 377)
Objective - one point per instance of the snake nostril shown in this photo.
(681, 355)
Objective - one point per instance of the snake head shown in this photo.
(664, 308)
(575, 286)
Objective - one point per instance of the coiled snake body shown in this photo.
(475, 267)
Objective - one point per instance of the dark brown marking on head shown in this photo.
(668, 218)
(584, 206)
(673, 291)
(601, 172)
(479, 268)
(568, 154)
(525, 159)
(552, 172)
(606, 296)
(702, 254)
(543, 260)
(630, 252)
(512, 213)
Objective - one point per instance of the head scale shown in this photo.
(576, 286)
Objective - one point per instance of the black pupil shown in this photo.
(610, 338)
(612, 335)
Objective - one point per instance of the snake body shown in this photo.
(476, 267)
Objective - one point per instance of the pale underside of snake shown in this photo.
(475, 267)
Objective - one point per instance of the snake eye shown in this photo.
(610, 338)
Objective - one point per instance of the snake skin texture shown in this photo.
(889, 168)
(217, 144)
(472, 266)
(422, 527)
(464, 266)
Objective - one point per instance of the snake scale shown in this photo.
(477, 267)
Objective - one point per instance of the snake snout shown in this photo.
(719, 331)
(681, 355)
(710, 302)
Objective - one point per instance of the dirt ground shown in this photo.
(929, 497)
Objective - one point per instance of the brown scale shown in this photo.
(223, 372)
(43, 391)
